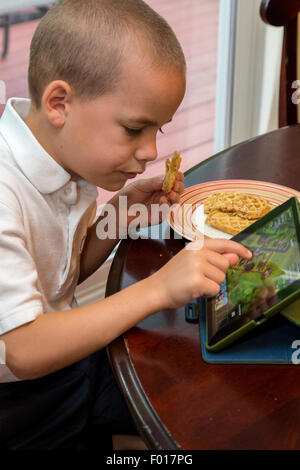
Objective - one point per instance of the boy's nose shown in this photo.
(147, 151)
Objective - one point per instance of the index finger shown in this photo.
(180, 176)
(228, 246)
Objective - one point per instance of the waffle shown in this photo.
(247, 206)
(228, 222)
(172, 167)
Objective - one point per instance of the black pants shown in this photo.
(76, 408)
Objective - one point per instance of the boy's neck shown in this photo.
(45, 136)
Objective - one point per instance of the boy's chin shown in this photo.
(113, 187)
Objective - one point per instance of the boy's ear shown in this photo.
(56, 100)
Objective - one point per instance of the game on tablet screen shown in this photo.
(253, 286)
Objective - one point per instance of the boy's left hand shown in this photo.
(149, 191)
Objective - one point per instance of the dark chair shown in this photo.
(7, 20)
(4, 23)
(285, 13)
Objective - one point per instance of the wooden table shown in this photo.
(178, 400)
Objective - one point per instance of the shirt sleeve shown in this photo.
(20, 299)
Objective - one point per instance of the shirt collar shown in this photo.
(33, 160)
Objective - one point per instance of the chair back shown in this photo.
(285, 13)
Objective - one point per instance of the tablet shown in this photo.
(256, 289)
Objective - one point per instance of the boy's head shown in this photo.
(96, 62)
(85, 43)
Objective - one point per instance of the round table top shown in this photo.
(178, 400)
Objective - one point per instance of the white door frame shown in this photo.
(225, 73)
(249, 60)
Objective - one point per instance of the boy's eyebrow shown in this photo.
(144, 120)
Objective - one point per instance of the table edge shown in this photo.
(239, 144)
(148, 423)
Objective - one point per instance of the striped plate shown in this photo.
(188, 218)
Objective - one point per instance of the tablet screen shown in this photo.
(253, 286)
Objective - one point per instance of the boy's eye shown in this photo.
(131, 131)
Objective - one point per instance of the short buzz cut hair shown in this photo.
(83, 42)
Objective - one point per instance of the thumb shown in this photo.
(151, 184)
(157, 181)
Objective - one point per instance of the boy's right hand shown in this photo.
(197, 270)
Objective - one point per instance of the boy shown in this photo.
(104, 77)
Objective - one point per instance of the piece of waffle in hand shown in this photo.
(172, 167)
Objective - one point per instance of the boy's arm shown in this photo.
(55, 340)
(95, 250)
(144, 191)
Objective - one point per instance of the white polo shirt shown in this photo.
(44, 217)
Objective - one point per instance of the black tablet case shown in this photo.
(270, 343)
